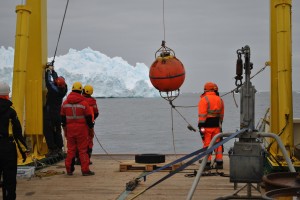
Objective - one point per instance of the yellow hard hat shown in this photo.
(77, 86)
(88, 89)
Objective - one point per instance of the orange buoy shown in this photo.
(167, 73)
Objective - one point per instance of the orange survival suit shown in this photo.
(95, 113)
(77, 120)
(210, 118)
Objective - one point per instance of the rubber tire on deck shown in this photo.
(150, 158)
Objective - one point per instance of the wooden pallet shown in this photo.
(132, 166)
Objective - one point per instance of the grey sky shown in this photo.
(204, 34)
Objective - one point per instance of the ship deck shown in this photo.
(109, 182)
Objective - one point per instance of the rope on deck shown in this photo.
(48, 173)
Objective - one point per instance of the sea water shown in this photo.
(150, 125)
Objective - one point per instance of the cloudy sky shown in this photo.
(204, 34)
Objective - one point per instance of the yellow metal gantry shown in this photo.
(281, 117)
(28, 90)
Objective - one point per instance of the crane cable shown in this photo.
(170, 101)
(173, 136)
(62, 24)
(164, 25)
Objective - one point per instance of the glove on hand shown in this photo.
(49, 68)
(202, 131)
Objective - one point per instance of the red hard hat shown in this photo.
(60, 82)
(209, 86)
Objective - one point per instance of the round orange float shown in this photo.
(167, 73)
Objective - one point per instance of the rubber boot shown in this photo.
(207, 166)
(89, 173)
(219, 165)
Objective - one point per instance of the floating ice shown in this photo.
(110, 77)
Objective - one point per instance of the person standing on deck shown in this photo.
(8, 151)
(210, 118)
(87, 93)
(57, 90)
(77, 123)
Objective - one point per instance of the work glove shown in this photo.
(202, 132)
(50, 68)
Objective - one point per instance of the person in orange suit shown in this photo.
(77, 123)
(210, 118)
(87, 93)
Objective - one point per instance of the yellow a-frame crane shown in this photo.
(28, 80)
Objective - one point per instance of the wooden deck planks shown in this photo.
(109, 183)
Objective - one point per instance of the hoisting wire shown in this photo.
(164, 26)
(62, 24)
(173, 135)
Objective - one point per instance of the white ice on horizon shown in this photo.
(110, 77)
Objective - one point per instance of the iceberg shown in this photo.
(110, 77)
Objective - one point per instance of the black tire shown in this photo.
(150, 158)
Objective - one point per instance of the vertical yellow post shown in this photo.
(284, 53)
(36, 61)
(20, 60)
(281, 74)
(273, 65)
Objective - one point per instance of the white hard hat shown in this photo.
(4, 89)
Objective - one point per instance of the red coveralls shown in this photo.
(76, 109)
(95, 112)
(211, 114)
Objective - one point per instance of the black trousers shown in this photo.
(8, 168)
(52, 130)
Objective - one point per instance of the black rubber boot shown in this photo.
(89, 173)
(207, 166)
(51, 153)
(219, 165)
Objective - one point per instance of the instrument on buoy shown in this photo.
(167, 73)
